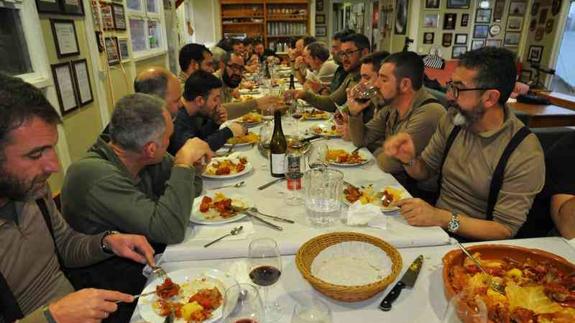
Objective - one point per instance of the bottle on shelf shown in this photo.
(278, 148)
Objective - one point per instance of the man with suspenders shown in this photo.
(489, 164)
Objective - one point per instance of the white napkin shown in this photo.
(571, 242)
(362, 214)
(212, 232)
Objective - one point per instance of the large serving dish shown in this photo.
(519, 280)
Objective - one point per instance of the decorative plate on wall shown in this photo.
(494, 30)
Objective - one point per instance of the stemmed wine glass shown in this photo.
(317, 158)
(296, 113)
(364, 91)
(242, 304)
(265, 270)
(266, 132)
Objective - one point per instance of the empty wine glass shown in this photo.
(242, 304)
(317, 158)
(265, 270)
(311, 309)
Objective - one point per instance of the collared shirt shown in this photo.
(339, 96)
(471, 162)
(234, 109)
(338, 77)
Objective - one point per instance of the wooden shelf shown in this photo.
(242, 23)
(282, 36)
(286, 19)
(236, 17)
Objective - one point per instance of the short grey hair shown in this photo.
(318, 50)
(156, 85)
(137, 119)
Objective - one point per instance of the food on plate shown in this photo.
(194, 301)
(315, 114)
(252, 117)
(368, 194)
(330, 130)
(222, 166)
(390, 195)
(534, 290)
(340, 156)
(167, 289)
(248, 138)
(219, 206)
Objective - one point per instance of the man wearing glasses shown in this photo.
(490, 166)
(353, 48)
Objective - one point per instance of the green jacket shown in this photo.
(99, 194)
(339, 96)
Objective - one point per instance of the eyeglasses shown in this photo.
(454, 90)
(236, 68)
(348, 54)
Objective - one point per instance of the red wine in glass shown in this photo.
(362, 100)
(265, 275)
(297, 115)
(246, 321)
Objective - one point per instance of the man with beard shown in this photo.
(407, 107)
(340, 72)
(194, 57)
(35, 240)
(490, 166)
(231, 77)
(320, 68)
(162, 83)
(203, 114)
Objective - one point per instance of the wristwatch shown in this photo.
(104, 247)
(47, 315)
(410, 163)
(453, 224)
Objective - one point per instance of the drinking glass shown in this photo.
(265, 270)
(242, 304)
(323, 187)
(311, 310)
(317, 157)
(266, 132)
(364, 91)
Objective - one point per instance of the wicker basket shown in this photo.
(308, 251)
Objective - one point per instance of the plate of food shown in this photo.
(243, 140)
(250, 119)
(324, 129)
(218, 208)
(315, 114)
(341, 157)
(231, 166)
(192, 294)
(537, 286)
(368, 194)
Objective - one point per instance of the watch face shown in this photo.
(494, 30)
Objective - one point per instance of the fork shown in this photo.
(495, 286)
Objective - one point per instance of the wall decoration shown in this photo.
(556, 7)
(430, 20)
(123, 47)
(48, 6)
(428, 38)
(493, 43)
(458, 4)
(461, 39)
(511, 39)
(477, 43)
(514, 23)
(112, 50)
(458, 51)
(100, 41)
(320, 31)
(533, 25)
(517, 8)
(535, 54)
(494, 30)
(64, 83)
(543, 15)
(539, 34)
(320, 19)
(525, 75)
(73, 7)
(534, 8)
(401, 17)
(119, 17)
(107, 16)
(431, 4)
(480, 31)
(498, 10)
(319, 5)
(65, 38)
(449, 20)
(483, 15)
(549, 26)
(446, 39)
(82, 81)
(464, 20)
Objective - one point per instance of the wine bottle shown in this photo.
(291, 82)
(278, 147)
(267, 71)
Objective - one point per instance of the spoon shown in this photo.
(235, 231)
(240, 184)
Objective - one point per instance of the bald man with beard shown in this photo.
(162, 83)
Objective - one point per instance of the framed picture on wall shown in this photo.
(514, 23)
(112, 50)
(65, 38)
(73, 7)
(430, 20)
(517, 8)
(64, 82)
(449, 20)
(480, 31)
(107, 16)
(498, 10)
(477, 43)
(119, 17)
(123, 47)
(461, 39)
(458, 51)
(464, 20)
(511, 39)
(446, 39)
(319, 5)
(458, 4)
(320, 19)
(525, 75)
(82, 81)
(483, 16)
(320, 31)
(48, 6)
(432, 4)
(428, 38)
(401, 11)
(535, 54)
(493, 43)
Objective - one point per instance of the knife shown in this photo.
(310, 138)
(271, 183)
(408, 280)
(273, 226)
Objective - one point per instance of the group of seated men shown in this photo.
(477, 166)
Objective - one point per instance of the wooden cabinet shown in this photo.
(273, 20)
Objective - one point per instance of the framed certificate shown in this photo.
(119, 17)
(65, 38)
(82, 81)
(64, 83)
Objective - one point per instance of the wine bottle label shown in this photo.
(278, 163)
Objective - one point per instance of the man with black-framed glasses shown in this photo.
(489, 164)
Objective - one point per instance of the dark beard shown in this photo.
(231, 82)
(466, 118)
(17, 190)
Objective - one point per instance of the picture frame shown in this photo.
(498, 10)
(107, 16)
(493, 43)
(320, 19)
(320, 31)
(457, 51)
(535, 54)
(525, 76)
(65, 37)
(430, 20)
(100, 41)
(517, 8)
(460, 39)
(428, 38)
(72, 7)
(401, 15)
(464, 20)
(446, 39)
(112, 50)
(458, 4)
(512, 39)
(119, 17)
(477, 43)
(535, 8)
(514, 23)
(82, 81)
(556, 7)
(483, 16)
(543, 15)
(449, 20)
(432, 4)
(123, 48)
(48, 6)
(64, 84)
(319, 5)
(480, 31)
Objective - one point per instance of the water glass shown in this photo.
(311, 310)
(323, 189)
(242, 304)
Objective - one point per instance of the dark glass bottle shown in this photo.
(291, 82)
(278, 148)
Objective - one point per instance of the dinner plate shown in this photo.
(249, 124)
(307, 116)
(366, 159)
(243, 144)
(246, 170)
(325, 130)
(198, 218)
(218, 278)
(404, 194)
